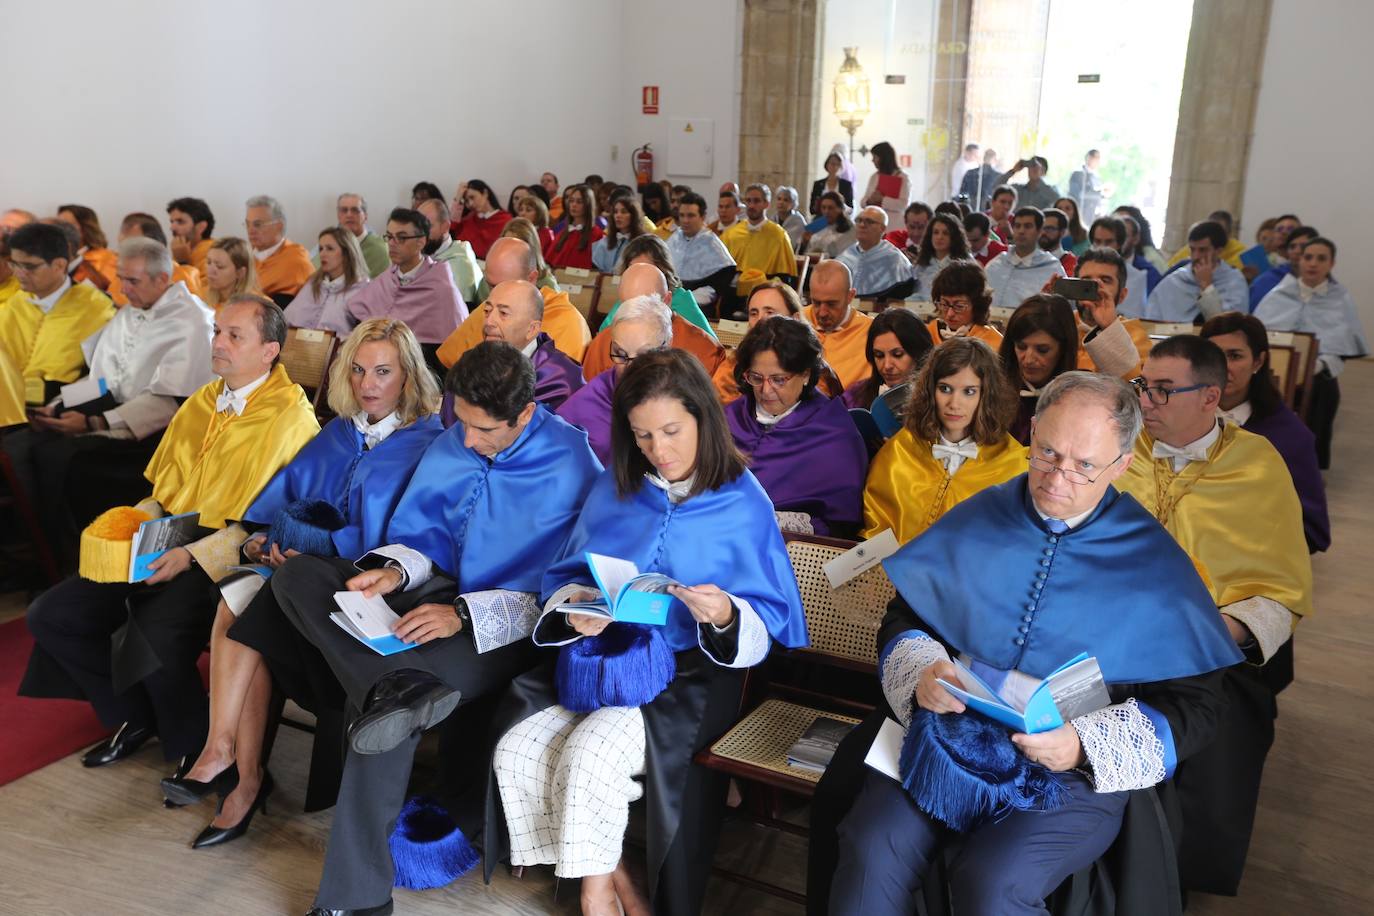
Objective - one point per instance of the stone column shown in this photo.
(1216, 112)
(945, 133)
(778, 92)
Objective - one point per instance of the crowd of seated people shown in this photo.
(481, 440)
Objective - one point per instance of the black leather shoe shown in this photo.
(403, 703)
(124, 742)
(383, 910)
(183, 791)
(215, 836)
(183, 767)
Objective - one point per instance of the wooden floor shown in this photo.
(76, 841)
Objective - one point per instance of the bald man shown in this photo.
(514, 313)
(13, 219)
(878, 268)
(647, 280)
(512, 259)
(842, 328)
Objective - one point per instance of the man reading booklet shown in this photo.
(1093, 573)
(488, 509)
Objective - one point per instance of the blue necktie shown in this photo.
(1057, 525)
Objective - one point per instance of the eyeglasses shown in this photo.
(260, 223)
(27, 266)
(756, 379)
(621, 358)
(867, 221)
(390, 237)
(954, 308)
(1046, 466)
(1158, 394)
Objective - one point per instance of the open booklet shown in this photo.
(369, 621)
(157, 536)
(1073, 689)
(627, 594)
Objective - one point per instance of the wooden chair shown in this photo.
(584, 295)
(1159, 330)
(1304, 365)
(868, 306)
(1283, 365)
(730, 333)
(1001, 315)
(843, 626)
(803, 268)
(306, 357)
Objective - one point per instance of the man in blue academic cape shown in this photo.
(489, 508)
(1090, 571)
(1202, 286)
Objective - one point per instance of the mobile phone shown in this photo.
(1079, 290)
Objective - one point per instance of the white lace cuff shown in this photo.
(1122, 747)
(795, 522)
(1268, 621)
(417, 567)
(751, 641)
(911, 653)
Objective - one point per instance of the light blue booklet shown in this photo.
(627, 594)
(369, 621)
(157, 536)
(1073, 689)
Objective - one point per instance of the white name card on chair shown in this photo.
(733, 327)
(309, 335)
(861, 557)
(1281, 338)
(574, 289)
(577, 271)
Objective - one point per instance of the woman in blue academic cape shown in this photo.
(624, 707)
(334, 498)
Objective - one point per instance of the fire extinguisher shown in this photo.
(644, 164)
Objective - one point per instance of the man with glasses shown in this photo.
(642, 324)
(1021, 272)
(843, 329)
(878, 268)
(352, 212)
(283, 266)
(416, 289)
(1227, 498)
(41, 329)
(1092, 572)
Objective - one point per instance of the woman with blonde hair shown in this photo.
(334, 498)
(953, 444)
(323, 301)
(230, 269)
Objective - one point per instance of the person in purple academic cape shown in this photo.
(514, 313)
(1252, 401)
(801, 445)
(415, 289)
(897, 343)
(642, 325)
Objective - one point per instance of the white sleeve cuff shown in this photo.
(1209, 302)
(416, 566)
(563, 594)
(752, 640)
(902, 669)
(1122, 747)
(1112, 350)
(1268, 621)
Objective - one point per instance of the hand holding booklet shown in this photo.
(1073, 689)
(157, 536)
(369, 620)
(627, 595)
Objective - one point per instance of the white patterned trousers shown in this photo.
(567, 781)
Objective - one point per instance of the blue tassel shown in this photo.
(305, 525)
(626, 665)
(963, 770)
(427, 848)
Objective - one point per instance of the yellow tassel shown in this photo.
(106, 542)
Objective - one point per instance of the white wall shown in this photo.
(1313, 132)
(302, 100)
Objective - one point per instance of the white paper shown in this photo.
(861, 557)
(886, 752)
(371, 617)
(83, 391)
(611, 574)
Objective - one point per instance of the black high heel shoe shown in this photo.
(183, 791)
(214, 836)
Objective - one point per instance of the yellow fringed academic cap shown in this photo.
(106, 543)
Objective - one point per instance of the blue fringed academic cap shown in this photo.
(427, 848)
(626, 665)
(305, 525)
(962, 769)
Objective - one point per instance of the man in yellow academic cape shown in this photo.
(131, 650)
(1228, 499)
(758, 243)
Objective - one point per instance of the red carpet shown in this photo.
(35, 732)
